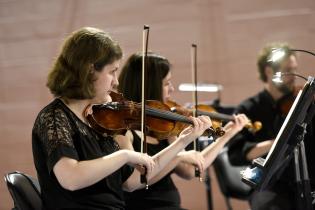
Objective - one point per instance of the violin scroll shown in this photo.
(253, 127)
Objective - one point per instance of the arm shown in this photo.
(184, 164)
(164, 157)
(74, 175)
(246, 146)
(56, 133)
(188, 161)
(259, 149)
(186, 171)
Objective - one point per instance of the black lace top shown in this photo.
(163, 195)
(58, 133)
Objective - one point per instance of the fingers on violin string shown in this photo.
(196, 122)
(206, 120)
(236, 116)
(237, 119)
(241, 120)
(200, 123)
(243, 117)
(246, 119)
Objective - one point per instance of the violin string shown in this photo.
(161, 113)
(176, 116)
(172, 115)
(215, 115)
(158, 112)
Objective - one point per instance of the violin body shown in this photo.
(117, 117)
(114, 118)
(284, 104)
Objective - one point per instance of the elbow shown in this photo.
(68, 182)
(129, 187)
(69, 185)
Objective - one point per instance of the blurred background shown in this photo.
(228, 34)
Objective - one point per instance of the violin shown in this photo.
(119, 116)
(216, 118)
(284, 104)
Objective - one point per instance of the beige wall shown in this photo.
(228, 35)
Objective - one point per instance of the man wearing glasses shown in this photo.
(270, 106)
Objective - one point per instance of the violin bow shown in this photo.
(194, 95)
(144, 149)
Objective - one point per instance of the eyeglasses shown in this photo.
(289, 70)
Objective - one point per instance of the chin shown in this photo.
(108, 98)
(101, 100)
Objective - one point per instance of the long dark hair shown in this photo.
(130, 77)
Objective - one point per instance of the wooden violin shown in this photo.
(118, 116)
(216, 118)
(284, 104)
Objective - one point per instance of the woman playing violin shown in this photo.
(162, 193)
(78, 167)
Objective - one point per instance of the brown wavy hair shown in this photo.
(84, 51)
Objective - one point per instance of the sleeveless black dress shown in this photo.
(163, 195)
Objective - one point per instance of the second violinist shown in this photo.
(162, 193)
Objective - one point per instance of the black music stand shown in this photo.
(288, 144)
